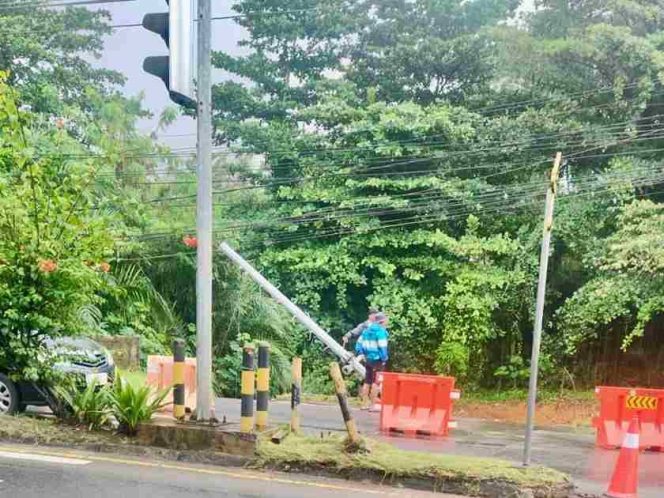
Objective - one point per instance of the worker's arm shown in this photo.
(356, 332)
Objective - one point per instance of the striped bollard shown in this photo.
(296, 390)
(262, 386)
(247, 390)
(178, 379)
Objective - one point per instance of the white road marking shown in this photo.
(43, 458)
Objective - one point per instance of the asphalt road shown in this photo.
(27, 472)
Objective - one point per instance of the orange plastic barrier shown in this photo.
(160, 376)
(417, 405)
(617, 407)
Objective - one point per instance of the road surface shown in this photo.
(29, 472)
(569, 450)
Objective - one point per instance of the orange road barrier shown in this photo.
(619, 405)
(160, 376)
(625, 479)
(417, 405)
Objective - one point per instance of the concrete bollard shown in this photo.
(178, 379)
(262, 386)
(296, 392)
(247, 390)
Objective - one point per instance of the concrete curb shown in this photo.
(136, 450)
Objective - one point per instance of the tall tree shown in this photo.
(48, 55)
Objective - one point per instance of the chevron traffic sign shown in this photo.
(641, 402)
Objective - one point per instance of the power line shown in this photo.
(453, 209)
(408, 174)
(183, 253)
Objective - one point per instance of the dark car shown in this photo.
(80, 357)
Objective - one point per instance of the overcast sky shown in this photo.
(126, 48)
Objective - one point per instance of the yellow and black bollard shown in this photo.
(247, 390)
(296, 390)
(262, 386)
(178, 379)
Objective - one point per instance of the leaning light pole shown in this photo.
(347, 358)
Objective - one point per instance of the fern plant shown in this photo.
(132, 404)
(89, 406)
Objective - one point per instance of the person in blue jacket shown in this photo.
(372, 345)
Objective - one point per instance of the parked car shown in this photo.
(81, 357)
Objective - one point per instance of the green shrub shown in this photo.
(132, 404)
(452, 358)
(90, 406)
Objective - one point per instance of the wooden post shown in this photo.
(247, 390)
(340, 387)
(262, 386)
(539, 306)
(296, 392)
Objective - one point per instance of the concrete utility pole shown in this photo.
(539, 306)
(204, 216)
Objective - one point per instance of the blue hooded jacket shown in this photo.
(373, 343)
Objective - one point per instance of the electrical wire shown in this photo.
(458, 208)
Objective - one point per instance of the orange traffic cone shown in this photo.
(626, 474)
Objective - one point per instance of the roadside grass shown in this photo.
(49, 431)
(297, 451)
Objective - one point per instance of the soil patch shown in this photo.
(576, 412)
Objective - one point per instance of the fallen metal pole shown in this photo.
(345, 356)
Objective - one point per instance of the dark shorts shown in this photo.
(372, 368)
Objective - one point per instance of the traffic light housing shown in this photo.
(176, 69)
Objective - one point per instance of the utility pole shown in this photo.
(539, 306)
(204, 216)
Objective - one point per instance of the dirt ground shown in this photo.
(571, 409)
(562, 411)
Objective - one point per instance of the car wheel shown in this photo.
(9, 402)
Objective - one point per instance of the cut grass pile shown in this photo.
(390, 462)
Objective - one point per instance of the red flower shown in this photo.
(190, 241)
(47, 266)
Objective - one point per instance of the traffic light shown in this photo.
(175, 69)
